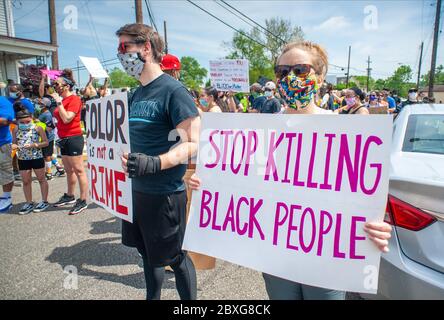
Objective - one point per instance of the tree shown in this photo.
(262, 57)
(286, 33)
(192, 74)
(399, 81)
(120, 79)
(439, 77)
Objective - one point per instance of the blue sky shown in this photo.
(391, 39)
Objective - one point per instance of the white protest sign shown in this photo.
(230, 75)
(107, 138)
(288, 195)
(94, 67)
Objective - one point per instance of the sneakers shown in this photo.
(60, 172)
(65, 200)
(41, 206)
(48, 176)
(27, 208)
(78, 207)
(5, 204)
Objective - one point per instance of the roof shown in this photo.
(24, 47)
(436, 88)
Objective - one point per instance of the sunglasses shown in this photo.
(300, 70)
(123, 46)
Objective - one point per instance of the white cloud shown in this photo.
(333, 24)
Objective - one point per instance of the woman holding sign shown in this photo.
(300, 71)
(71, 142)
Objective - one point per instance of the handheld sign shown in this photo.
(94, 67)
(107, 138)
(230, 75)
(289, 195)
(378, 110)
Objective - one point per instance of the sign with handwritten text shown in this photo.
(289, 195)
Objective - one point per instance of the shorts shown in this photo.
(158, 227)
(6, 171)
(49, 150)
(71, 146)
(31, 164)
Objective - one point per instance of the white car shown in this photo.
(414, 267)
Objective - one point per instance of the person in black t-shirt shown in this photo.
(156, 165)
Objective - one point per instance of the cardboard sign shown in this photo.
(94, 67)
(230, 75)
(378, 110)
(107, 138)
(289, 195)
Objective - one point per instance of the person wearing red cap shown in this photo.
(171, 65)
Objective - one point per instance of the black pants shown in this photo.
(184, 273)
(157, 232)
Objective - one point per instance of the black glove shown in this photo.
(140, 164)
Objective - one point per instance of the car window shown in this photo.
(425, 134)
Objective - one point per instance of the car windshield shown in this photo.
(425, 134)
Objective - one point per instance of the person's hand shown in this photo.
(124, 159)
(379, 233)
(14, 146)
(27, 146)
(194, 182)
(56, 97)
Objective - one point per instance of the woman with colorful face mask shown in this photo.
(300, 70)
(208, 100)
(71, 142)
(28, 140)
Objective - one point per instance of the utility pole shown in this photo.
(165, 36)
(53, 34)
(435, 48)
(419, 67)
(139, 12)
(348, 67)
(368, 72)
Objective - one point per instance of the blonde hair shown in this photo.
(318, 53)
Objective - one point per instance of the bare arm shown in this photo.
(42, 86)
(189, 135)
(44, 142)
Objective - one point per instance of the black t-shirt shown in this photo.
(154, 111)
(271, 106)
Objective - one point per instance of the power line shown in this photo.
(30, 11)
(235, 14)
(229, 26)
(151, 15)
(260, 26)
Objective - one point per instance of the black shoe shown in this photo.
(65, 200)
(78, 207)
(48, 176)
(60, 173)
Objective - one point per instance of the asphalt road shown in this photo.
(38, 251)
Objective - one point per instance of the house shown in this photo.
(13, 50)
(438, 92)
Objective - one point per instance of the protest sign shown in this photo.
(289, 195)
(107, 138)
(230, 75)
(378, 110)
(52, 74)
(94, 67)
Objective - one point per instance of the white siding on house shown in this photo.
(6, 20)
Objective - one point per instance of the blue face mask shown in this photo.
(13, 95)
(203, 102)
(24, 126)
